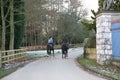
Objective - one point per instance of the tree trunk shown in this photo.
(11, 44)
(3, 26)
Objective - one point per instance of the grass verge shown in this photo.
(4, 72)
(109, 71)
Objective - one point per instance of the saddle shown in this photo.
(65, 46)
(49, 46)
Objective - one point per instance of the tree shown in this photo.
(9, 10)
(3, 26)
(51, 18)
(19, 22)
(90, 24)
(36, 21)
(68, 25)
(115, 5)
(11, 45)
(3, 23)
(68, 21)
(17, 25)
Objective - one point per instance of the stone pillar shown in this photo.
(104, 36)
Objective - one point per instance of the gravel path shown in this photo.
(53, 68)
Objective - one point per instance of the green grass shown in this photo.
(87, 62)
(4, 72)
(91, 64)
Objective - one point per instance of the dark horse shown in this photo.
(50, 48)
(64, 50)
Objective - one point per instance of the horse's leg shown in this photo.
(47, 51)
(62, 53)
(53, 53)
(65, 54)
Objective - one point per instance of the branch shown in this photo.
(18, 21)
(7, 12)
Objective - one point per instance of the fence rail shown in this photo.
(12, 56)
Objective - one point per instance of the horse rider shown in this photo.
(50, 41)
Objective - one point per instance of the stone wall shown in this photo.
(117, 63)
(91, 53)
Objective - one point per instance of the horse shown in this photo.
(64, 50)
(50, 48)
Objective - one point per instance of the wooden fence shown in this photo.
(39, 47)
(12, 56)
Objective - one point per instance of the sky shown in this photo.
(90, 4)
